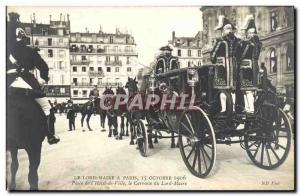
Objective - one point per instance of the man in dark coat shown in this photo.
(22, 60)
(71, 115)
(249, 69)
(226, 54)
(165, 61)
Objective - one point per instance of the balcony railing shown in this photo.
(82, 62)
(100, 50)
(96, 73)
(113, 63)
(109, 84)
(100, 84)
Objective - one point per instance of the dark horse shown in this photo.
(133, 90)
(26, 129)
(88, 109)
(132, 87)
(110, 113)
(122, 112)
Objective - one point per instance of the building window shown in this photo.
(60, 65)
(50, 53)
(189, 63)
(290, 58)
(75, 80)
(61, 53)
(84, 93)
(62, 79)
(62, 90)
(189, 53)
(91, 68)
(274, 21)
(111, 39)
(83, 69)
(107, 58)
(127, 61)
(199, 63)
(199, 53)
(83, 58)
(60, 32)
(128, 69)
(91, 81)
(74, 69)
(99, 69)
(108, 69)
(178, 52)
(99, 80)
(75, 93)
(49, 41)
(117, 69)
(273, 61)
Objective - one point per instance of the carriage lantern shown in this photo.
(192, 77)
(152, 83)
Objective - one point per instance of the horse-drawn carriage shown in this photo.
(264, 133)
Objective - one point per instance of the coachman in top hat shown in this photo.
(21, 61)
(225, 55)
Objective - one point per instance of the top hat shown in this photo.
(222, 22)
(166, 48)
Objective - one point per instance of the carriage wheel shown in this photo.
(269, 147)
(197, 142)
(142, 138)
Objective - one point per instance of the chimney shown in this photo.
(50, 17)
(173, 35)
(68, 19)
(34, 21)
(60, 17)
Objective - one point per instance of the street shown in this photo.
(82, 156)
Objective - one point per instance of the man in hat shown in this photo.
(248, 68)
(71, 115)
(225, 53)
(94, 93)
(165, 61)
(22, 60)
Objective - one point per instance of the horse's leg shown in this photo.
(82, 119)
(173, 140)
(88, 121)
(115, 126)
(131, 134)
(109, 126)
(34, 155)
(127, 125)
(13, 167)
(122, 127)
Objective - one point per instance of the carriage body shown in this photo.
(260, 132)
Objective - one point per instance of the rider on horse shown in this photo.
(21, 62)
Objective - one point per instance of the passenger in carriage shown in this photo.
(21, 61)
(249, 69)
(225, 53)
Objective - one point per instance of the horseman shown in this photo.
(225, 55)
(21, 61)
(165, 61)
(249, 69)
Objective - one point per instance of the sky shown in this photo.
(151, 26)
